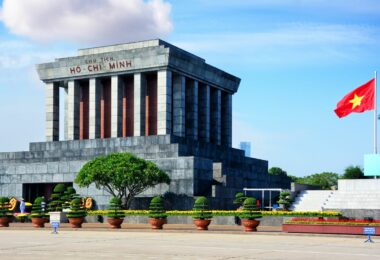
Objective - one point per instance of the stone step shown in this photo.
(311, 200)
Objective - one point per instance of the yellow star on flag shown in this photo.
(356, 101)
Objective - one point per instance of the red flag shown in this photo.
(358, 100)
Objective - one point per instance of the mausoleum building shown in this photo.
(149, 98)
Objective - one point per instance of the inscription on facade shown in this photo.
(102, 64)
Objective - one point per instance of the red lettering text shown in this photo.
(76, 69)
(92, 68)
(111, 65)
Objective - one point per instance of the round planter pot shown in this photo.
(115, 222)
(4, 222)
(157, 223)
(202, 224)
(250, 225)
(76, 222)
(38, 222)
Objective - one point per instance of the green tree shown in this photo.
(325, 180)
(294, 178)
(277, 171)
(123, 175)
(353, 172)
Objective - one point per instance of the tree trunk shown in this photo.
(127, 201)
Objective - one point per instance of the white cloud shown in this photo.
(87, 21)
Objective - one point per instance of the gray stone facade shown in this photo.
(149, 98)
(191, 98)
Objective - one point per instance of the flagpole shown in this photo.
(375, 115)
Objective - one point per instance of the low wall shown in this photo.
(359, 185)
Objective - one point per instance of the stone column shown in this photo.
(52, 111)
(179, 115)
(66, 134)
(226, 119)
(72, 110)
(139, 104)
(95, 92)
(204, 113)
(192, 109)
(215, 131)
(116, 106)
(164, 102)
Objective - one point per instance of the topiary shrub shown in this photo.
(115, 209)
(59, 188)
(201, 209)
(68, 195)
(156, 208)
(250, 210)
(76, 209)
(239, 198)
(37, 209)
(4, 207)
(285, 199)
(57, 201)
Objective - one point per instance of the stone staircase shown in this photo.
(312, 200)
(354, 200)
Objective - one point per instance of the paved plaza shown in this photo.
(124, 244)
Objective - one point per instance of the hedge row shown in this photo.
(226, 213)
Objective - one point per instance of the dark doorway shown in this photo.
(30, 191)
(105, 109)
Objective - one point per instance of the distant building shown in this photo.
(246, 146)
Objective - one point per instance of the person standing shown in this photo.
(22, 206)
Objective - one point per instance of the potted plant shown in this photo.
(201, 213)
(115, 214)
(157, 214)
(77, 213)
(5, 215)
(38, 217)
(249, 215)
(239, 199)
(285, 200)
(68, 195)
(56, 202)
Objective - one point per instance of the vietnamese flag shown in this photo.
(358, 100)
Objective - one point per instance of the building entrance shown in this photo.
(30, 191)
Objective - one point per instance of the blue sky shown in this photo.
(296, 59)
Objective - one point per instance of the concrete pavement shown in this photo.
(118, 244)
